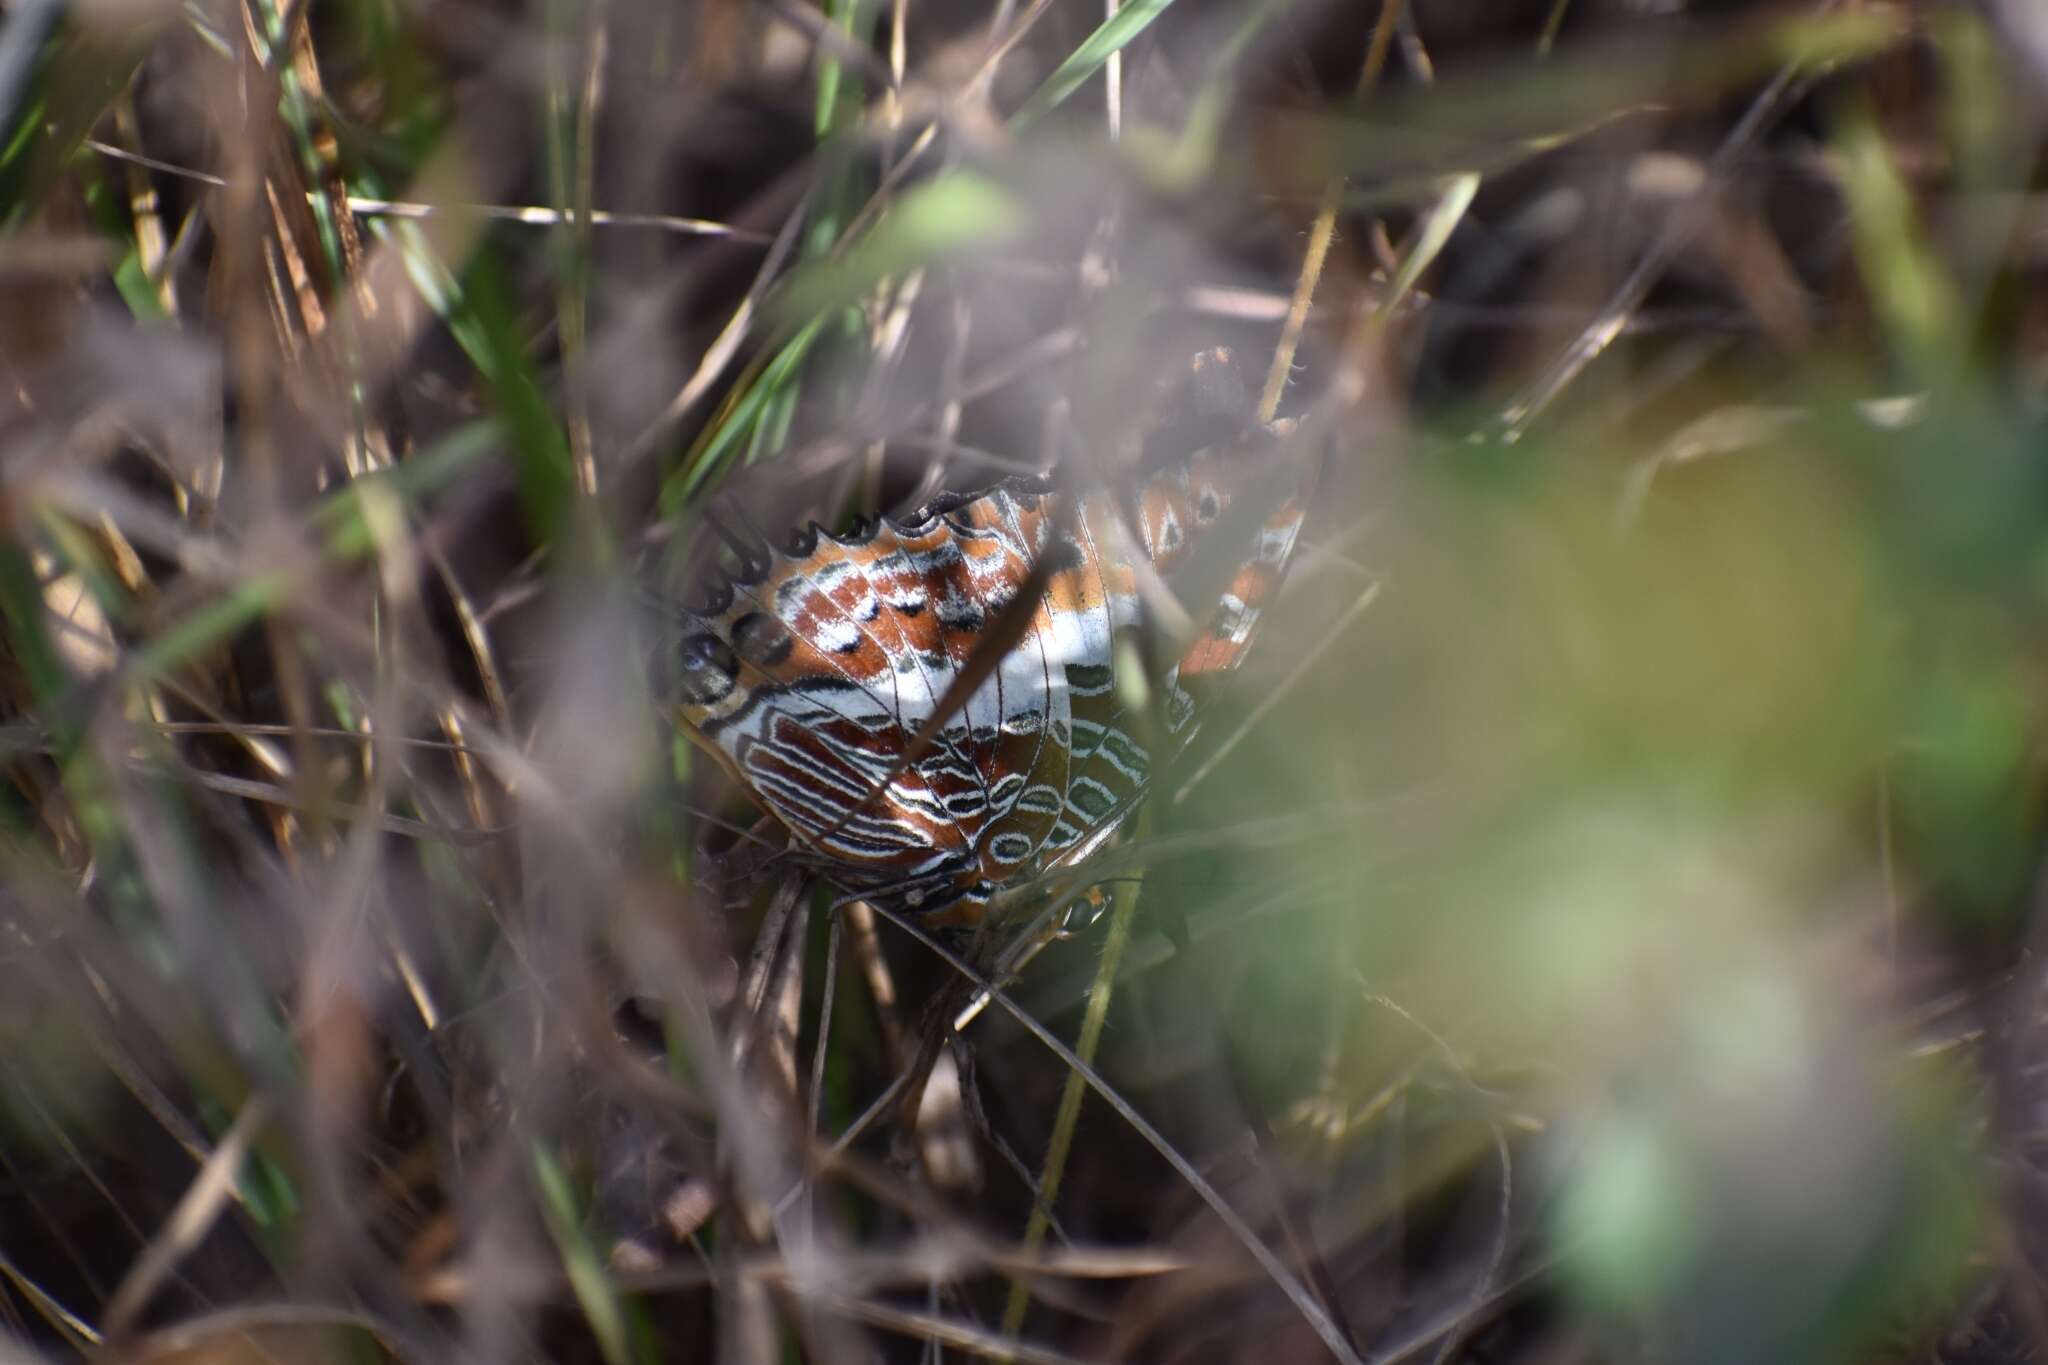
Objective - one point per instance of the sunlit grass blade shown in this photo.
(939, 219)
(1113, 36)
(1913, 294)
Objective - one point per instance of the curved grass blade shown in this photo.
(1114, 35)
(595, 1293)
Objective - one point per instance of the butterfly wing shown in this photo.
(808, 675)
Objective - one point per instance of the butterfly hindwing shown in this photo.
(809, 673)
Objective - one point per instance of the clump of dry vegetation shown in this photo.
(1596, 922)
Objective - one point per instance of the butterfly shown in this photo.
(808, 672)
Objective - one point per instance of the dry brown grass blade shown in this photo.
(271, 795)
(74, 1330)
(771, 992)
(247, 1325)
(210, 1192)
(1785, 88)
(954, 1254)
(1322, 230)
(719, 355)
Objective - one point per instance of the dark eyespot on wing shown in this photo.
(1128, 758)
(751, 565)
(1010, 848)
(706, 667)
(858, 535)
(761, 639)
(1039, 800)
(1091, 798)
(715, 599)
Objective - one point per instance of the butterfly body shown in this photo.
(808, 675)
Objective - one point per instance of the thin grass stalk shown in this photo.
(1322, 231)
(1240, 1230)
(1099, 991)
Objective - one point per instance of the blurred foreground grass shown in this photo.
(1598, 923)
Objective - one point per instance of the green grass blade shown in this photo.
(593, 1288)
(1112, 37)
